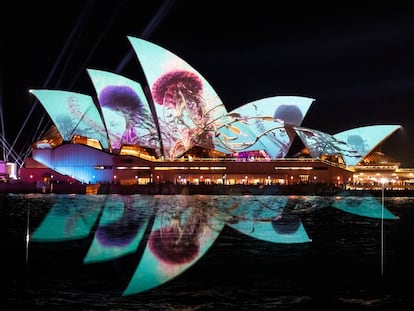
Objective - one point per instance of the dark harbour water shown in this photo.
(353, 262)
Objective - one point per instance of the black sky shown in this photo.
(356, 62)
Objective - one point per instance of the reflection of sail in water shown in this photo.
(121, 228)
(266, 218)
(169, 233)
(366, 205)
(182, 232)
(71, 217)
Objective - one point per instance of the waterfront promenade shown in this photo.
(211, 189)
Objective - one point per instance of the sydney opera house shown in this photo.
(174, 130)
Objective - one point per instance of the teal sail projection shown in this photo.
(352, 145)
(363, 140)
(320, 143)
(181, 111)
(264, 124)
(125, 109)
(73, 114)
(185, 103)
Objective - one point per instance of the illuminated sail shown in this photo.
(320, 143)
(185, 103)
(73, 114)
(363, 140)
(265, 124)
(125, 110)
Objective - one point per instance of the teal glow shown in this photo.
(185, 103)
(70, 218)
(182, 227)
(121, 228)
(176, 241)
(268, 218)
(320, 143)
(125, 125)
(367, 206)
(73, 114)
(363, 140)
(353, 145)
(262, 230)
(264, 124)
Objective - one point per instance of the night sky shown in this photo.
(357, 62)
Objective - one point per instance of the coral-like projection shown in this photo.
(184, 111)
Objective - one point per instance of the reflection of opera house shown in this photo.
(178, 132)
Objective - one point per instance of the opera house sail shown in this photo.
(155, 130)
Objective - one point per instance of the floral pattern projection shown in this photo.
(364, 139)
(320, 143)
(186, 104)
(125, 110)
(353, 145)
(269, 218)
(73, 114)
(265, 124)
(191, 114)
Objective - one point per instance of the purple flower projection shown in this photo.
(122, 231)
(184, 111)
(120, 97)
(172, 246)
(289, 114)
(178, 239)
(125, 101)
(174, 87)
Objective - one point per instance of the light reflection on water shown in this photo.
(201, 252)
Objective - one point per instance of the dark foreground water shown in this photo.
(353, 262)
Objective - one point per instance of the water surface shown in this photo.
(349, 260)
